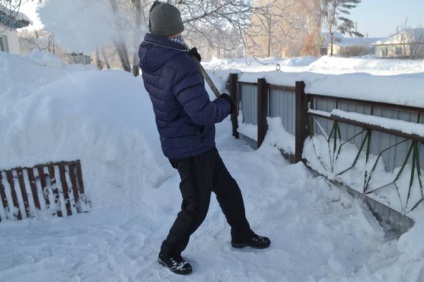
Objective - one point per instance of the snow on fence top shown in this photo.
(406, 89)
(398, 125)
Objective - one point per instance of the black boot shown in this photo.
(254, 241)
(175, 263)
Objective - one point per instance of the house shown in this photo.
(10, 21)
(77, 58)
(349, 47)
(408, 43)
(326, 41)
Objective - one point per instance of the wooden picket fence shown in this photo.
(52, 188)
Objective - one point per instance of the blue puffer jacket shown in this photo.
(185, 116)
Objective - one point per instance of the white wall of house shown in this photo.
(408, 43)
(9, 40)
(349, 47)
(391, 50)
(414, 50)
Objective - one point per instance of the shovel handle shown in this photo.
(209, 80)
(206, 77)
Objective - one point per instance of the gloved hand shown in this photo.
(229, 100)
(194, 54)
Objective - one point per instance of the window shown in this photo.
(3, 44)
(384, 52)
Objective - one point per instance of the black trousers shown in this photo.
(200, 176)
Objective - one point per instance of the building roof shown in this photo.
(326, 37)
(405, 36)
(13, 19)
(357, 41)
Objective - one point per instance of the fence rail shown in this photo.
(307, 116)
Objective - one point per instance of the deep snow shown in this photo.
(52, 112)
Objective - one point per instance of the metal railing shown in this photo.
(308, 116)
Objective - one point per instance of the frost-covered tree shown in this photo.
(310, 11)
(82, 25)
(217, 27)
(10, 7)
(334, 17)
(37, 40)
(286, 28)
(9, 12)
(222, 27)
(234, 28)
(272, 24)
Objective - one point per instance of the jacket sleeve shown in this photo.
(189, 89)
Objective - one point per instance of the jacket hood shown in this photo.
(151, 51)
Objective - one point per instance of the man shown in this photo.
(185, 118)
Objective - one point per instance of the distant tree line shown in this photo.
(230, 28)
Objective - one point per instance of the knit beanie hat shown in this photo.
(165, 20)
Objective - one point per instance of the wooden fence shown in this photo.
(317, 114)
(53, 188)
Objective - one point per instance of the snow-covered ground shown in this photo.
(50, 112)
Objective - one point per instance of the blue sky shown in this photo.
(380, 18)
